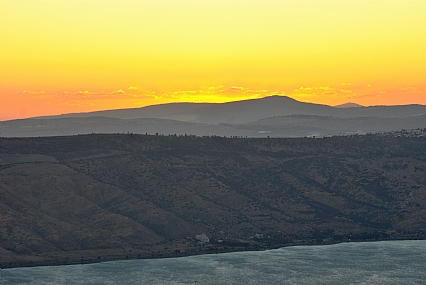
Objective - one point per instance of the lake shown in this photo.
(385, 262)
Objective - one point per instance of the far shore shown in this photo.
(92, 256)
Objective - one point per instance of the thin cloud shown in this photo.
(410, 89)
(327, 93)
(313, 88)
(367, 95)
(304, 89)
(86, 92)
(43, 96)
(81, 94)
(237, 89)
(277, 93)
(217, 93)
(118, 92)
(345, 91)
(33, 92)
(186, 92)
(213, 90)
(306, 95)
(76, 103)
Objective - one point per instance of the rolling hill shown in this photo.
(274, 116)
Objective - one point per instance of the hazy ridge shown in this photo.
(275, 116)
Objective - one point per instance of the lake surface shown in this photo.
(386, 262)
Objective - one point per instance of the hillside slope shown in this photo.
(287, 118)
(246, 111)
(99, 197)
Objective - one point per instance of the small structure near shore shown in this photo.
(202, 239)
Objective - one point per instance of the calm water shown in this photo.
(388, 262)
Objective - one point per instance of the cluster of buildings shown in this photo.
(416, 133)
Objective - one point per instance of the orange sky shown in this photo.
(76, 55)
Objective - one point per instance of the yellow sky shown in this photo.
(79, 55)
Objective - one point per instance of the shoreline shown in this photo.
(167, 254)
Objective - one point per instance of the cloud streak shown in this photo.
(326, 88)
(33, 92)
(411, 89)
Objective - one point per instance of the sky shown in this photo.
(74, 56)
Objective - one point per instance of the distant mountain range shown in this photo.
(276, 116)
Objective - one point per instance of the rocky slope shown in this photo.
(99, 197)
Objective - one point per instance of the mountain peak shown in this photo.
(279, 96)
(348, 105)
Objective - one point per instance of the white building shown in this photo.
(202, 238)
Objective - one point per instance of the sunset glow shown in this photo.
(77, 56)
